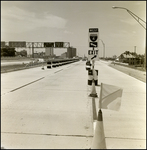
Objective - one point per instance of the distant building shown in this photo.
(74, 52)
(64, 55)
(35, 55)
(130, 59)
(41, 54)
(71, 52)
(49, 51)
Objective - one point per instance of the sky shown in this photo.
(69, 21)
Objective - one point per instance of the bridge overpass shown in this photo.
(43, 109)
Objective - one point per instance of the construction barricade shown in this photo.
(88, 65)
(91, 76)
(49, 64)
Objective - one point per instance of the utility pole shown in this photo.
(32, 49)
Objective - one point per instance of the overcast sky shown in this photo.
(69, 21)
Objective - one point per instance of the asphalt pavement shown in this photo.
(51, 108)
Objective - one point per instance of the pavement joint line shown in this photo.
(64, 90)
(118, 137)
(124, 138)
(27, 84)
(48, 134)
(63, 111)
(58, 70)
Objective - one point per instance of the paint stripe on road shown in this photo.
(26, 84)
(58, 70)
(48, 134)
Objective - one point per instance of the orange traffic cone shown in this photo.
(93, 92)
(99, 137)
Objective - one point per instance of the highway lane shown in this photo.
(126, 128)
(51, 109)
(54, 111)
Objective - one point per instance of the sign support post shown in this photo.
(93, 64)
(32, 49)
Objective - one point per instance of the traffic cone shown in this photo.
(99, 137)
(93, 92)
(94, 109)
(42, 66)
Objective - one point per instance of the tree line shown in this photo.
(11, 52)
(133, 54)
(139, 56)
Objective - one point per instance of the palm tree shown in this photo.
(134, 54)
(127, 53)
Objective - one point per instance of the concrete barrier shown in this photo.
(49, 64)
(58, 63)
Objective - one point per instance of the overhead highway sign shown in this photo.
(17, 44)
(50, 44)
(59, 44)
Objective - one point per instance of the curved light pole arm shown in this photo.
(133, 15)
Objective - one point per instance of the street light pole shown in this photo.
(103, 48)
(138, 19)
(133, 15)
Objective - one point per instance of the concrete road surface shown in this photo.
(51, 109)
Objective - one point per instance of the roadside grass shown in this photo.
(137, 67)
(138, 73)
(15, 67)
